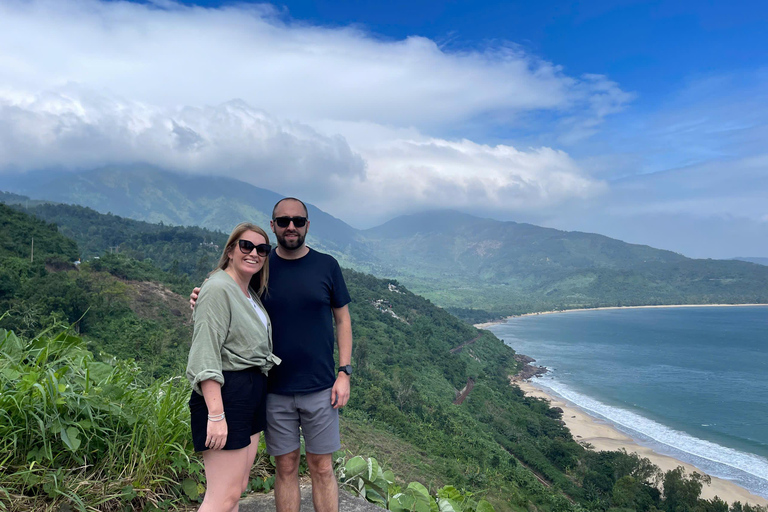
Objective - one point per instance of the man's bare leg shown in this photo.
(287, 495)
(325, 489)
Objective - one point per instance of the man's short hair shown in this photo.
(306, 212)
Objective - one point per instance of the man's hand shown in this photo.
(193, 298)
(340, 391)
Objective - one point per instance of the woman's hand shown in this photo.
(217, 434)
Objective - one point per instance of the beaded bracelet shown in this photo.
(216, 417)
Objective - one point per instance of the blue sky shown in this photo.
(644, 121)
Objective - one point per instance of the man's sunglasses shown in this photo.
(284, 222)
(246, 247)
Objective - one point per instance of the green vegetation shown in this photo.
(178, 250)
(367, 479)
(81, 408)
(79, 431)
(482, 269)
(120, 306)
(479, 269)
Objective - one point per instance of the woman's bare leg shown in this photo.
(253, 449)
(224, 473)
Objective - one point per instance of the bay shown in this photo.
(690, 382)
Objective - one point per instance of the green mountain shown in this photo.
(477, 268)
(146, 193)
(464, 262)
(17, 199)
(179, 250)
(19, 243)
(121, 306)
(759, 261)
(412, 359)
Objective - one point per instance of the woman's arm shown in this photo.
(204, 370)
(212, 318)
(217, 430)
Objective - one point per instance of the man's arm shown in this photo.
(340, 392)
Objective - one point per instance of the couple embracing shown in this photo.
(293, 295)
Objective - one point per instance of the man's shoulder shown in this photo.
(314, 260)
(322, 256)
(312, 255)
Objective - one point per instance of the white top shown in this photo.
(259, 312)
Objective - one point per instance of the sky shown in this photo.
(643, 121)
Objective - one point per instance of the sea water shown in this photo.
(691, 383)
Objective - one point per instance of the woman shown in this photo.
(230, 356)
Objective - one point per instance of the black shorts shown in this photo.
(244, 395)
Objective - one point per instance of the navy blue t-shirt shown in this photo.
(299, 299)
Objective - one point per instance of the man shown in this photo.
(306, 295)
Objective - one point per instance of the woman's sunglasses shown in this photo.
(284, 222)
(246, 247)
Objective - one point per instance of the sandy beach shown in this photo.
(603, 436)
(485, 325)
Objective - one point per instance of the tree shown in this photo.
(681, 494)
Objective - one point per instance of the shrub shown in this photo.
(87, 433)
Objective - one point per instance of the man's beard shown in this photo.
(290, 244)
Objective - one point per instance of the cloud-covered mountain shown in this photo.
(458, 260)
(147, 193)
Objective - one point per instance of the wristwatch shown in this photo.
(346, 369)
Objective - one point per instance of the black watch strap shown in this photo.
(346, 369)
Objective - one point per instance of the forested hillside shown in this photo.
(154, 195)
(179, 250)
(483, 268)
(411, 361)
(479, 269)
(121, 306)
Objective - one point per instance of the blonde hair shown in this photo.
(260, 278)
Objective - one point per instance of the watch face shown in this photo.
(346, 369)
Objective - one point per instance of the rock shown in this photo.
(522, 358)
(529, 371)
(266, 502)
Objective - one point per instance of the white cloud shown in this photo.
(335, 115)
(407, 175)
(196, 56)
(604, 97)
(78, 129)
(391, 170)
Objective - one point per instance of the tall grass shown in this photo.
(89, 434)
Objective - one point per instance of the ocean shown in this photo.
(688, 382)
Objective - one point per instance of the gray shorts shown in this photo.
(313, 412)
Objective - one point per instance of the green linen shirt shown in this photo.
(228, 333)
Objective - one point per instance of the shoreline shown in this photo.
(605, 437)
(485, 325)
